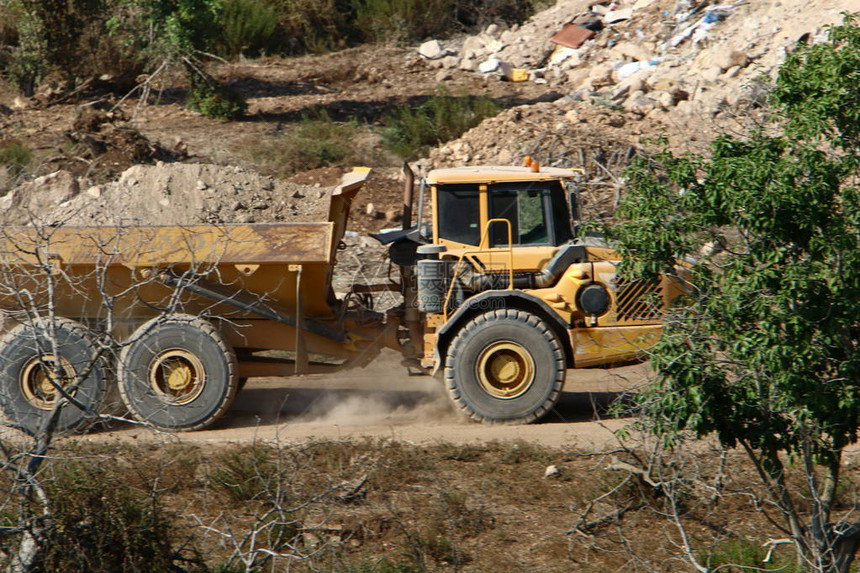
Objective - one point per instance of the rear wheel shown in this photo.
(505, 366)
(177, 374)
(40, 371)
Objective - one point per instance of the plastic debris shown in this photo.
(699, 30)
(619, 15)
(631, 68)
(517, 75)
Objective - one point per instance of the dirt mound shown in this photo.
(167, 194)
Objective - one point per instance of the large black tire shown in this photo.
(505, 366)
(177, 374)
(27, 367)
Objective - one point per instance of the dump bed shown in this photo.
(136, 271)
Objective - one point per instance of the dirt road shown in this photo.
(382, 401)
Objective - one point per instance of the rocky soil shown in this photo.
(166, 194)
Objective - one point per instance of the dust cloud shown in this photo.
(380, 393)
(420, 402)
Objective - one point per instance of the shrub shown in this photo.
(739, 555)
(412, 131)
(386, 21)
(317, 25)
(9, 15)
(101, 524)
(213, 99)
(479, 13)
(14, 155)
(315, 142)
(247, 26)
(245, 474)
(383, 565)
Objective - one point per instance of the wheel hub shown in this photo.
(177, 376)
(40, 378)
(505, 370)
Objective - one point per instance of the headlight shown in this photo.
(593, 299)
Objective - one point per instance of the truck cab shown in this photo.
(494, 208)
(510, 298)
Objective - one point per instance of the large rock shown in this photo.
(432, 50)
(490, 66)
(33, 201)
(631, 84)
(727, 59)
(576, 77)
(631, 51)
(450, 62)
(473, 46)
(468, 64)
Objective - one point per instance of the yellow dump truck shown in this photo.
(499, 298)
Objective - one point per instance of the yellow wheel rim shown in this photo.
(177, 376)
(505, 370)
(40, 378)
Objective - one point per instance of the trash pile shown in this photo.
(694, 57)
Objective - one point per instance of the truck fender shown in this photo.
(493, 300)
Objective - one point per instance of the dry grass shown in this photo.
(356, 507)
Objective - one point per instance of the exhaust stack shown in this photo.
(408, 193)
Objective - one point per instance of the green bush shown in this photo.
(213, 99)
(9, 15)
(479, 13)
(315, 142)
(317, 25)
(247, 26)
(413, 131)
(14, 155)
(245, 474)
(385, 21)
(380, 566)
(739, 555)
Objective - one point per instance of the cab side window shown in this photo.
(459, 213)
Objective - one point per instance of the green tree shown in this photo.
(48, 36)
(764, 350)
(175, 33)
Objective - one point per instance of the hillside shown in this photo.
(681, 70)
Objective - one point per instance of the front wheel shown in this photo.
(505, 366)
(177, 374)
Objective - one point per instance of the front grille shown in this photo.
(639, 300)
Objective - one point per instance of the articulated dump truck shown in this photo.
(499, 299)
